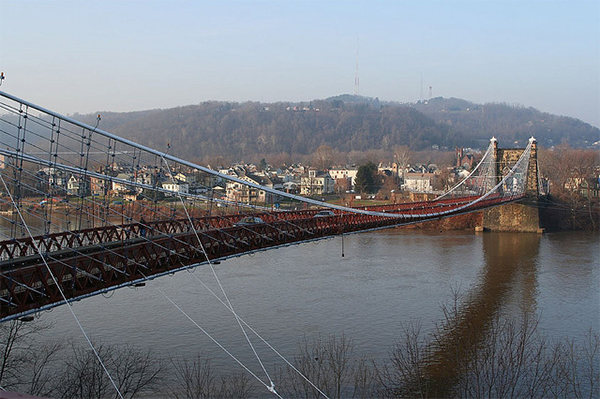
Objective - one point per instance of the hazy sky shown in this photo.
(87, 56)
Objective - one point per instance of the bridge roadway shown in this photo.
(91, 261)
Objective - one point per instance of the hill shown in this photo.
(247, 131)
(509, 123)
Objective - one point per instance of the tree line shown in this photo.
(573, 178)
(514, 360)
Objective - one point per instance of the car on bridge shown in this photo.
(324, 214)
(248, 221)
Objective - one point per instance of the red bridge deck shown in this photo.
(91, 261)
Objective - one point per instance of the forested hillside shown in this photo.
(245, 131)
(509, 123)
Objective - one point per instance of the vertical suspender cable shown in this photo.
(62, 293)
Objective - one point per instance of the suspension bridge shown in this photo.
(84, 211)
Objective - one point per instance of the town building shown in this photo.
(316, 183)
(177, 186)
(344, 177)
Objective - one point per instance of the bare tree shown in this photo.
(82, 374)
(131, 369)
(11, 333)
(236, 386)
(365, 381)
(23, 362)
(281, 159)
(579, 368)
(572, 174)
(135, 370)
(402, 155)
(42, 366)
(390, 184)
(322, 157)
(405, 375)
(195, 379)
(512, 360)
(330, 367)
(510, 363)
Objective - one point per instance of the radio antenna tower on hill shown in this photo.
(421, 98)
(356, 92)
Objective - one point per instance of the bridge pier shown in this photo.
(514, 217)
(522, 216)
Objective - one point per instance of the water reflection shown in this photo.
(508, 278)
(386, 278)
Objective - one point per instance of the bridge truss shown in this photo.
(84, 211)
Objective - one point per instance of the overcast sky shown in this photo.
(87, 56)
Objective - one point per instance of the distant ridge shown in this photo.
(347, 123)
(354, 99)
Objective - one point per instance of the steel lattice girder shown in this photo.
(26, 283)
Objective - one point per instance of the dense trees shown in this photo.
(509, 123)
(367, 180)
(573, 184)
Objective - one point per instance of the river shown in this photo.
(384, 280)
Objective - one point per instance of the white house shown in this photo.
(420, 182)
(316, 183)
(242, 193)
(121, 186)
(344, 173)
(177, 186)
(77, 186)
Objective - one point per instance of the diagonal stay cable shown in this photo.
(76, 233)
(65, 298)
(261, 338)
(271, 388)
(219, 283)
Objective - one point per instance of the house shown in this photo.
(344, 177)
(98, 185)
(291, 187)
(57, 179)
(316, 183)
(120, 185)
(78, 185)
(587, 187)
(119, 166)
(387, 170)
(41, 181)
(176, 186)
(4, 161)
(238, 192)
(422, 182)
(186, 177)
(464, 159)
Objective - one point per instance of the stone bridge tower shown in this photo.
(522, 216)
